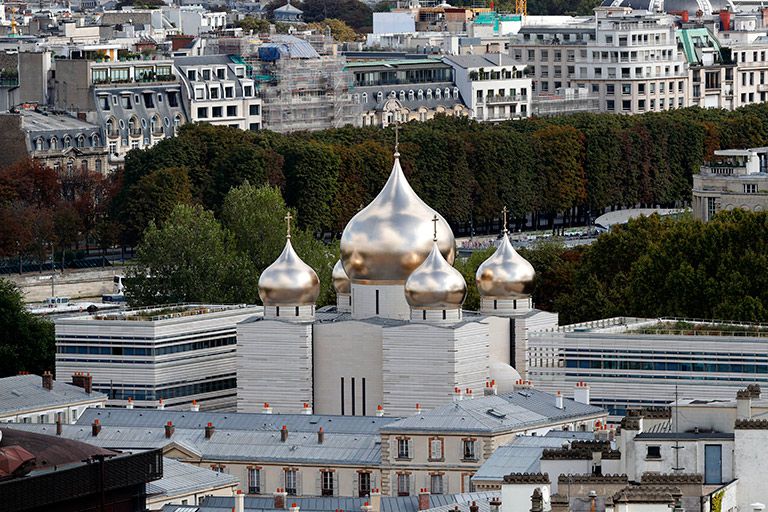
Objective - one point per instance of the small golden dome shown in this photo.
(385, 241)
(288, 281)
(435, 284)
(341, 281)
(506, 274)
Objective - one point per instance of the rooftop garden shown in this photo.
(702, 328)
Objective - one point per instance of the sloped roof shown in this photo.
(520, 456)
(51, 450)
(518, 410)
(26, 392)
(182, 478)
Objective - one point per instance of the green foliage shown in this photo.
(354, 13)
(27, 342)
(340, 31)
(191, 258)
(253, 24)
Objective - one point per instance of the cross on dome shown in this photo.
(504, 216)
(288, 218)
(435, 220)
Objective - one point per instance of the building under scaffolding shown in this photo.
(300, 89)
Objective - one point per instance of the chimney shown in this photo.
(418, 409)
(366, 507)
(424, 499)
(537, 501)
(379, 411)
(469, 394)
(495, 504)
(320, 436)
(239, 501)
(559, 401)
(376, 499)
(307, 409)
(58, 426)
(95, 428)
(279, 496)
(83, 380)
(284, 434)
(169, 429)
(209, 429)
(743, 404)
(266, 409)
(195, 406)
(129, 405)
(160, 405)
(47, 380)
(294, 507)
(457, 395)
(581, 393)
(473, 507)
(490, 388)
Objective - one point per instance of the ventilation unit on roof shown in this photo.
(496, 414)
(524, 393)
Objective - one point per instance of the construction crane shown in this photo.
(521, 7)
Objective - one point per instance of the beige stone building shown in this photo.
(735, 178)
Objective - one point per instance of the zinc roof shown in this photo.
(518, 410)
(520, 456)
(25, 392)
(182, 478)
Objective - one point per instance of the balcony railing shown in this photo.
(135, 132)
(505, 99)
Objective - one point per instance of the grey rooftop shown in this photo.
(182, 478)
(480, 61)
(522, 455)
(34, 122)
(510, 412)
(26, 392)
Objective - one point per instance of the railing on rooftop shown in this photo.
(167, 311)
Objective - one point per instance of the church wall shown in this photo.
(349, 350)
(423, 363)
(391, 301)
(274, 364)
(498, 339)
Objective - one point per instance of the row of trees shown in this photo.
(569, 165)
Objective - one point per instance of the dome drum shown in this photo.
(436, 316)
(505, 306)
(290, 313)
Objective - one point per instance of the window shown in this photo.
(711, 207)
(84, 165)
(468, 449)
(750, 188)
(39, 144)
(247, 91)
(254, 126)
(229, 92)
(206, 74)
(436, 484)
(202, 112)
(403, 484)
(172, 99)
(326, 481)
(192, 74)
(220, 73)
(654, 452)
(435, 447)
(219, 468)
(290, 482)
(254, 481)
(216, 112)
(609, 89)
(98, 165)
(125, 101)
(403, 448)
(363, 484)
(231, 110)
(214, 93)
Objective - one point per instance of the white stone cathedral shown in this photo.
(398, 335)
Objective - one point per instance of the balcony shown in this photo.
(505, 99)
(134, 132)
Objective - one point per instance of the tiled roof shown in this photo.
(25, 392)
(518, 410)
(182, 478)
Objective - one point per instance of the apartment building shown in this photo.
(735, 178)
(751, 73)
(40, 399)
(136, 103)
(493, 86)
(152, 356)
(639, 362)
(629, 59)
(424, 88)
(217, 91)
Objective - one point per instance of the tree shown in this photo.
(340, 31)
(256, 217)
(154, 197)
(253, 24)
(191, 258)
(28, 341)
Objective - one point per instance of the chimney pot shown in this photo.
(379, 411)
(58, 426)
(266, 409)
(95, 428)
(47, 380)
(129, 405)
(473, 507)
(209, 429)
(169, 429)
(195, 406)
(320, 436)
(307, 408)
(284, 434)
(239, 501)
(418, 408)
(160, 404)
(581, 393)
(559, 401)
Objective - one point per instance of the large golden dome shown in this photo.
(435, 284)
(506, 274)
(385, 241)
(288, 281)
(340, 279)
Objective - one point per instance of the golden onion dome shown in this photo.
(435, 284)
(288, 281)
(506, 274)
(385, 241)
(340, 278)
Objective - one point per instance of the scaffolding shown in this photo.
(305, 94)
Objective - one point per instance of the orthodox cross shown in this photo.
(504, 217)
(288, 218)
(434, 233)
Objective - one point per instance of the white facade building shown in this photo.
(218, 92)
(195, 20)
(34, 399)
(395, 338)
(492, 86)
(156, 356)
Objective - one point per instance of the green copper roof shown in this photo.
(690, 37)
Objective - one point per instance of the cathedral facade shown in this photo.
(398, 335)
